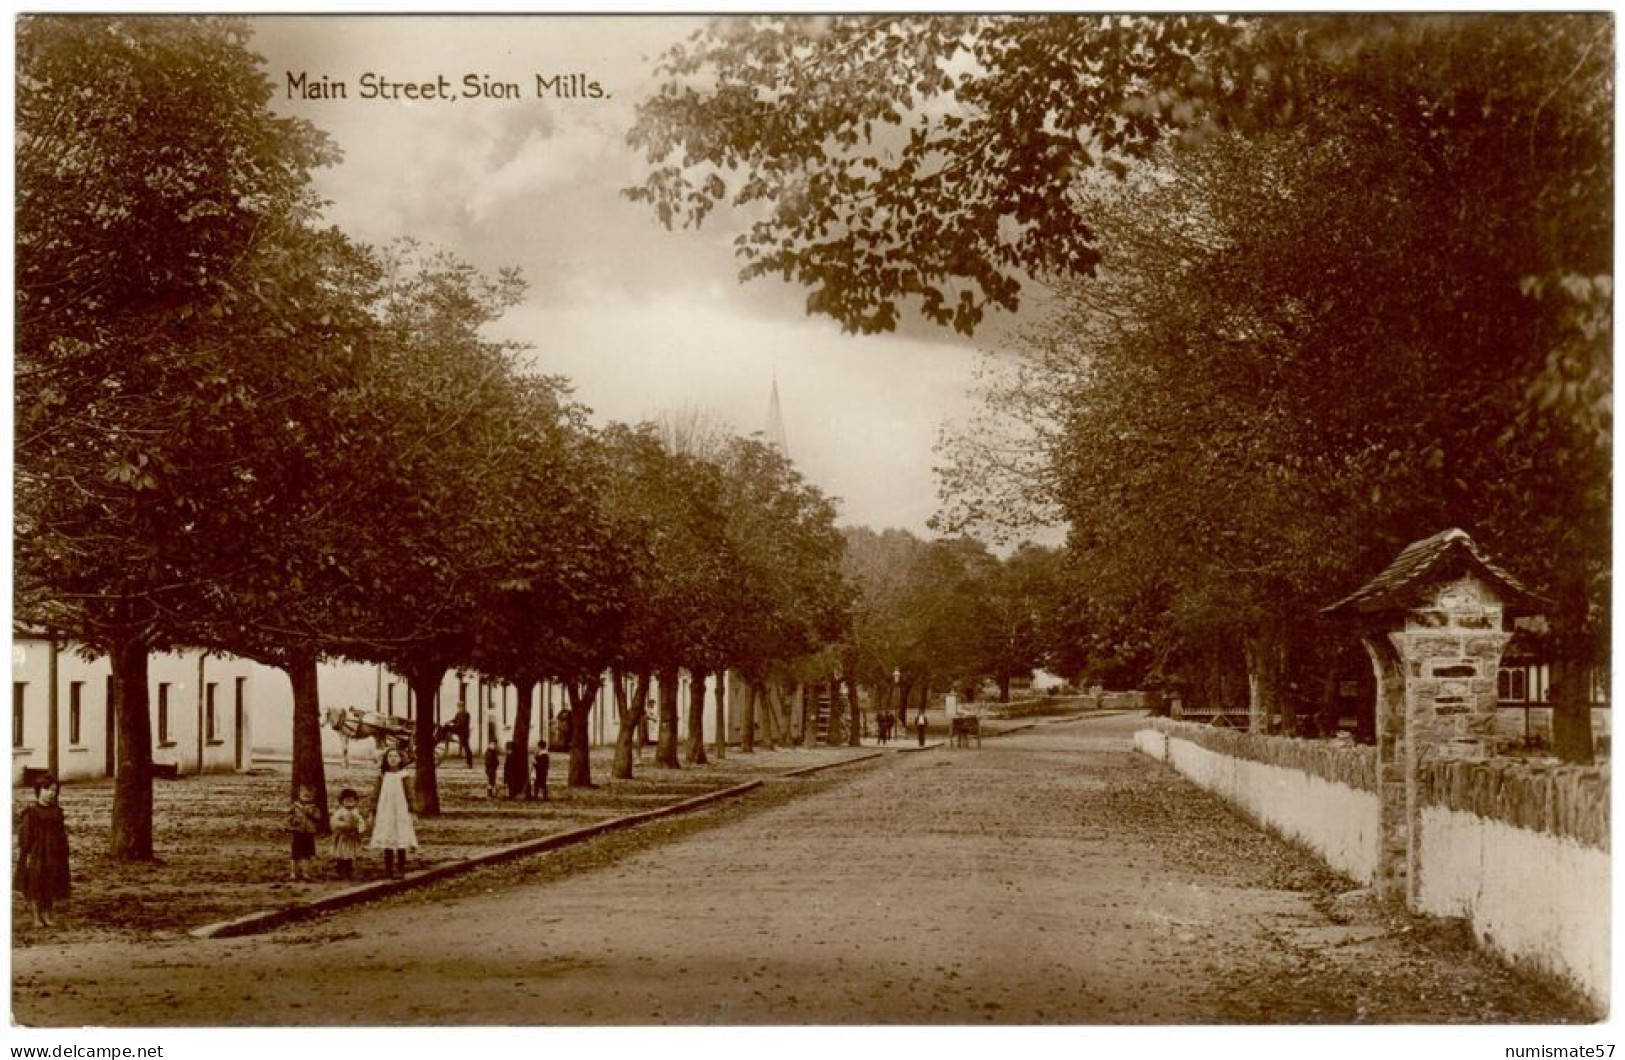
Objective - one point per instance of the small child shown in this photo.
(347, 822)
(392, 831)
(304, 821)
(540, 764)
(493, 761)
(42, 851)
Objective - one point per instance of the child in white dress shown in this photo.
(392, 830)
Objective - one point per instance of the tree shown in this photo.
(1018, 589)
(442, 524)
(1248, 432)
(919, 158)
(555, 586)
(788, 599)
(154, 189)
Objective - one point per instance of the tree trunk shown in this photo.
(904, 690)
(631, 716)
(753, 695)
(1569, 693)
(582, 695)
(774, 717)
(854, 734)
(1266, 680)
(696, 718)
(1326, 722)
(132, 787)
(666, 743)
(809, 716)
(424, 681)
(835, 736)
(308, 768)
(1004, 688)
(722, 713)
(518, 774)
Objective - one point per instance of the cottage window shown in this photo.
(19, 693)
(163, 712)
(76, 703)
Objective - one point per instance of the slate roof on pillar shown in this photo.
(1445, 556)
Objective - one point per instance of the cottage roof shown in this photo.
(1444, 556)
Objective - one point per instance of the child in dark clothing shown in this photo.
(42, 851)
(540, 764)
(304, 821)
(493, 762)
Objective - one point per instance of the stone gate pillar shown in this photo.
(1434, 624)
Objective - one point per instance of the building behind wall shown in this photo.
(201, 711)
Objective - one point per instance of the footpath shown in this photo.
(222, 863)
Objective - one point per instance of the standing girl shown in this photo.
(392, 832)
(304, 821)
(42, 851)
(347, 823)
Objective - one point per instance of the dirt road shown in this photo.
(1052, 876)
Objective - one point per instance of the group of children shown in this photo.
(515, 775)
(393, 832)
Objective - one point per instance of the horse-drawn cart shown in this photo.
(962, 728)
(386, 731)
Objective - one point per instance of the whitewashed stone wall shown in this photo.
(1519, 849)
(1336, 820)
(1538, 899)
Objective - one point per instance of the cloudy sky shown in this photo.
(640, 319)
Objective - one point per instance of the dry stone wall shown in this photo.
(1565, 801)
(1338, 762)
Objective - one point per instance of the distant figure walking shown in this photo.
(919, 725)
(304, 821)
(540, 763)
(885, 723)
(392, 832)
(561, 729)
(42, 851)
(347, 822)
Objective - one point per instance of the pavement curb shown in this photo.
(804, 770)
(265, 920)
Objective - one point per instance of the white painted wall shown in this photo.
(1539, 899)
(1338, 822)
(1151, 742)
(186, 680)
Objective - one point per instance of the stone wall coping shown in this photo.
(1338, 762)
(1569, 801)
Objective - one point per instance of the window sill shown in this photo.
(78, 749)
(18, 750)
(215, 743)
(166, 743)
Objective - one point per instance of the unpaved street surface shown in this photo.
(1051, 876)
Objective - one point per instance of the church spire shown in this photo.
(775, 421)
